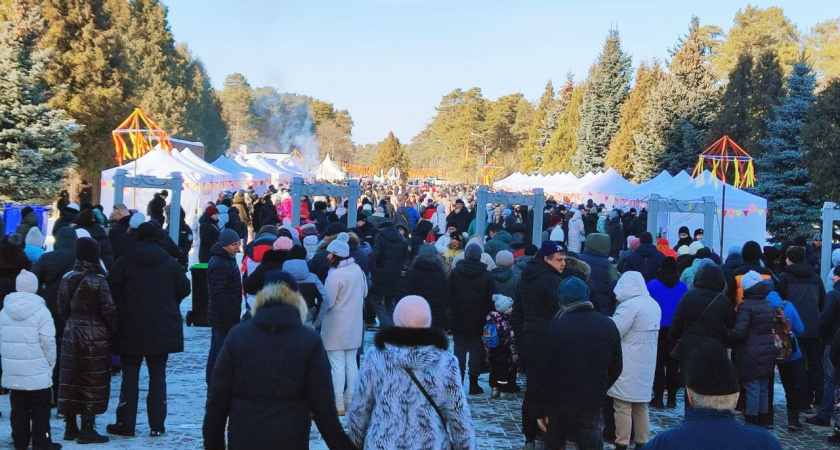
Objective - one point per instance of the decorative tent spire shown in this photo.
(143, 134)
(723, 154)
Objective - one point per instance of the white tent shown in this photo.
(643, 190)
(248, 175)
(278, 176)
(328, 170)
(188, 158)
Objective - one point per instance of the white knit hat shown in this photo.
(339, 246)
(750, 279)
(26, 282)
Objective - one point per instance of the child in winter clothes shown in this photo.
(503, 357)
(27, 346)
(34, 244)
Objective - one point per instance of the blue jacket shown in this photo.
(709, 428)
(646, 259)
(796, 325)
(667, 298)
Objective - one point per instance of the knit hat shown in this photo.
(504, 258)
(367, 207)
(309, 229)
(502, 302)
(34, 237)
(646, 238)
(268, 229)
(734, 250)
(683, 250)
(573, 290)
(339, 247)
(662, 244)
(283, 243)
(709, 371)
(136, 219)
(554, 221)
(668, 266)
(211, 210)
(549, 248)
(310, 241)
(281, 276)
(531, 250)
(26, 282)
(698, 231)
(473, 252)
(696, 245)
(87, 250)
(228, 237)
(684, 230)
(413, 312)
(73, 206)
(297, 252)
(751, 251)
(335, 228)
(634, 243)
(426, 249)
(146, 231)
(506, 212)
(750, 279)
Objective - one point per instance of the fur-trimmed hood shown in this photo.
(575, 267)
(281, 293)
(415, 348)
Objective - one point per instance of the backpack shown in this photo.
(783, 339)
(490, 336)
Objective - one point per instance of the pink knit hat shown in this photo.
(283, 244)
(634, 243)
(413, 312)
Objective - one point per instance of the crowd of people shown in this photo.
(601, 321)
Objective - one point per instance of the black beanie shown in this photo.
(708, 371)
(146, 231)
(751, 251)
(87, 250)
(684, 229)
(337, 227)
(646, 238)
(297, 252)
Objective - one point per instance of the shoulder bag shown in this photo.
(675, 350)
(431, 402)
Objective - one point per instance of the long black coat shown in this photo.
(106, 253)
(85, 304)
(208, 235)
(755, 354)
(66, 216)
(148, 313)
(271, 377)
(155, 208)
(427, 278)
(471, 296)
(804, 288)
(224, 288)
(614, 229)
(268, 215)
(390, 250)
(117, 235)
(50, 270)
(538, 294)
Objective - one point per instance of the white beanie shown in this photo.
(750, 279)
(26, 282)
(136, 220)
(696, 245)
(339, 246)
(81, 233)
(34, 237)
(503, 302)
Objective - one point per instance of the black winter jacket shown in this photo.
(579, 360)
(708, 286)
(471, 296)
(390, 250)
(272, 378)
(320, 266)
(208, 235)
(224, 289)
(116, 234)
(538, 295)
(646, 259)
(599, 279)
(418, 237)
(755, 355)
(829, 316)
(268, 215)
(616, 233)
(155, 208)
(804, 288)
(50, 269)
(66, 216)
(319, 218)
(148, 314)
(427, 278)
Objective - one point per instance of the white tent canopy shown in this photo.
(328, 170)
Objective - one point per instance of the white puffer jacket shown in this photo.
(27, 342)
(637, 318)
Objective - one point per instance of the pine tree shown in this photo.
(35, 146)
(532, 151)
(238, 112)
(552, 118)
(754, 32)
(622, 150)
(558, 154)
(600, 112)
(392, 154)
(768, 93)
(203, 120)
(733, 119)
(821, 138)
(781, 173)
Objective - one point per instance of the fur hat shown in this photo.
(473, 252)
(228, 237)
(283, 243)
(34, 237)
(709, 371)
(280, 293)
(504, 258)
(136, 219)
(413, 312)
(573, 290)
(339, 246)
(502, 302)
(750, 279)
(26, 282)
(87, 250)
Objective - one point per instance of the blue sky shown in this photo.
(390, 62)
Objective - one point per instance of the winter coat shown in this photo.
(242, 209)
(185, 244)
(637, 319)
(616, 237)
(796, 325)
(106, 253)
(85, 304)
(460, 220)
(829, 321)
(389, 411)
(116, 234)
(576, 233)
(735, 291)
(310, 287)
(732, 263)
(12, 261)
(438, 219)
(667, 298)
(390, 250)
(50, 270)
(320, 266)
(66, 216)
(579, 359)
(253, 283)
(427, 278)
(343, 326)
(27, 222)
(755, 353)
(538, 295)
(224, 289)
(208, 235)
(603, 273)
(271, 378)
(501, 241)
(705, 429)
(505, 282)
(418, 236)
(268, 215)
(804, 289)
(234, 223)
(27, 343)
(155, 208)
(708, 287)
(148, 314)
(320, 220)
(520, 262)
(646, 260)
(471, 291)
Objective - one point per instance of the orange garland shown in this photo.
(719, 158)
(143, 133)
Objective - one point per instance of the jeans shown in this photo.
(472, 345)
(757, 400)
(217, 338)
(811, 351)
(631, 415)
(827, 407)
(30, 418)
(384, 306)
(794, 380)
(667, 374)
(344, 372)
(585, 432)
(130, 391)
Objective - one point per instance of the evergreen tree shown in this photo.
(754, 32)
(558, 154)
(600, 112)
(392, 154)
(552, 119)
(238, 112)
(768, 93)
(35, 146)
(821, 138)
(203, 121)
(781, 173)
(622, 150)
(532, 151)
(824, 46)
(733, 119)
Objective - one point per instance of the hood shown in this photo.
(21, 305)
(503, 236)
(800, 270)
(734, 261)
(65, 238)
(427, 263)
(415, 348)
(281, 307)
(647, 250)
(578, 268)
(470, 269)
(441, 208)
(710, 277)
(835, 257)
(34, 237)
(147, 254)
(774, 299)
(577, 215)
(502, 274)
(297, 268)
(631, 284)
(598, 243)
(423, 228)
(392, 235)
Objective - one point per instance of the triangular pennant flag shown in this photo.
(746, 212)
(731, 212)
(738, 213)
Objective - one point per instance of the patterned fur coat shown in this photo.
(390, 412)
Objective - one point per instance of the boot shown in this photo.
(750, 420)
(835, 438)
(494, 394)
(672, 398)
(620, 447)
(71, 428)
(766, 420)
(793, 421)
(475, 389)
(88, 434)
(119, 429)
(657, 401)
